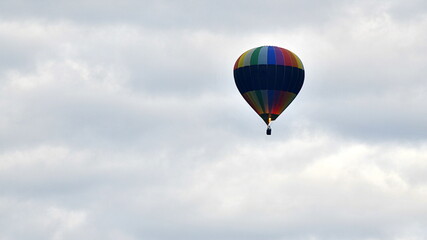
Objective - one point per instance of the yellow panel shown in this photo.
(242, 59)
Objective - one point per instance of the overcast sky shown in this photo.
(120, 120)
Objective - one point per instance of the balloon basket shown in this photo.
(269, 130)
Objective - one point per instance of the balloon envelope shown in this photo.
(269, 78)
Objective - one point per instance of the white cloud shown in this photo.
(311, 185)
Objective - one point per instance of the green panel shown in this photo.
(254, 57)
(260, 100)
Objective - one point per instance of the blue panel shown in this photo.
(238, 81)
(269, 77)
(288, 79)
(262, 77)
(271, 59)
(299, 81)
(246, 78)
(280, 78)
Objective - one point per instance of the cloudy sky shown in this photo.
(121, 120)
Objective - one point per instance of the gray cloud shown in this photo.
(235, 16)
(235, 195)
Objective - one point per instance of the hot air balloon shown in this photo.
(269, 78)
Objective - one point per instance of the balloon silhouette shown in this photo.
(269, 78)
